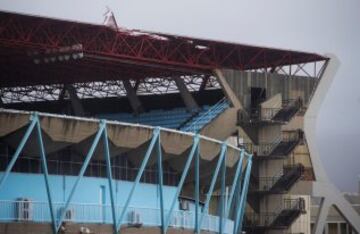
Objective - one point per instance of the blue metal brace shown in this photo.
(222, 198)
(237, 199)
(81, 174)
(34, 123)
(154, 139)
(197, 188)
(160, 177)
(213, 181)
(109, 173)
(18, 150)
(235, 186)
(235, 181)
(182, 180)
(241, 210)
(45, 171)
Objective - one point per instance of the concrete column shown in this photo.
(133, 98)
(188, 99)
(75, 101)
(320, 224)
(229, 93)
(204, 82)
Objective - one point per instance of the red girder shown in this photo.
(175, 52)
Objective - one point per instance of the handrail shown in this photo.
(219, 105)
(99, 213)
(266, 219)
(265, 149)
(269, 182)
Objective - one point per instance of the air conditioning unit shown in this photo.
(135, 218)
(24, 209)
(184, 205)
(69, 214)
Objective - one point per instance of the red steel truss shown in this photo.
(134, 54)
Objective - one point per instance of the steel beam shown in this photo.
(45, 171)
(160, 178)
(222, 198)
(197, 189)
(109, 173)
(18, 150)
(213, 181)
(182, 179)
(81, 173)
(242, 202)
(164, 51)
(235, 181)
(154, 139)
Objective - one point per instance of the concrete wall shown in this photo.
(290, 87)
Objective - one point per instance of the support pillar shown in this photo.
(229, 93)
(75, 101)
(188, 99)
(323, 187)
(133, 98)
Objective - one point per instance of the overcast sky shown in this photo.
(320, 26)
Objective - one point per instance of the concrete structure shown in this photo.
(335, 222)
(271, 123)
(153, 133)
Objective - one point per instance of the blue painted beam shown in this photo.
(242, 202)
(197, 189)
(81, 174)
(154, 139)
(213, 181)
(222, 198)
(160, 178)
(109, 173)
(45, 171)
(182, 179)
(18, 150)
(235, 181)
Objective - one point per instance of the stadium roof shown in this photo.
(39, 50)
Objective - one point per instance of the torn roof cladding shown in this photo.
(34, 48)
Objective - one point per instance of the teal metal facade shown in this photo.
(236, 198)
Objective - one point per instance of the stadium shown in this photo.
(109, 130)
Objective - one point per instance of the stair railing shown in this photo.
(266, 149)
(222, 104)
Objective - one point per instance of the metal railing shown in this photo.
(265, 184)
(95, 169)
(202, 120)
(266, 219)
(258, 113)
(12, 211)
(265, 149)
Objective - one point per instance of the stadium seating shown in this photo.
(177, 118)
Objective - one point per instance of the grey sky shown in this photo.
(317, 26)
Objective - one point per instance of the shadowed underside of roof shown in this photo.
(39, 50)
